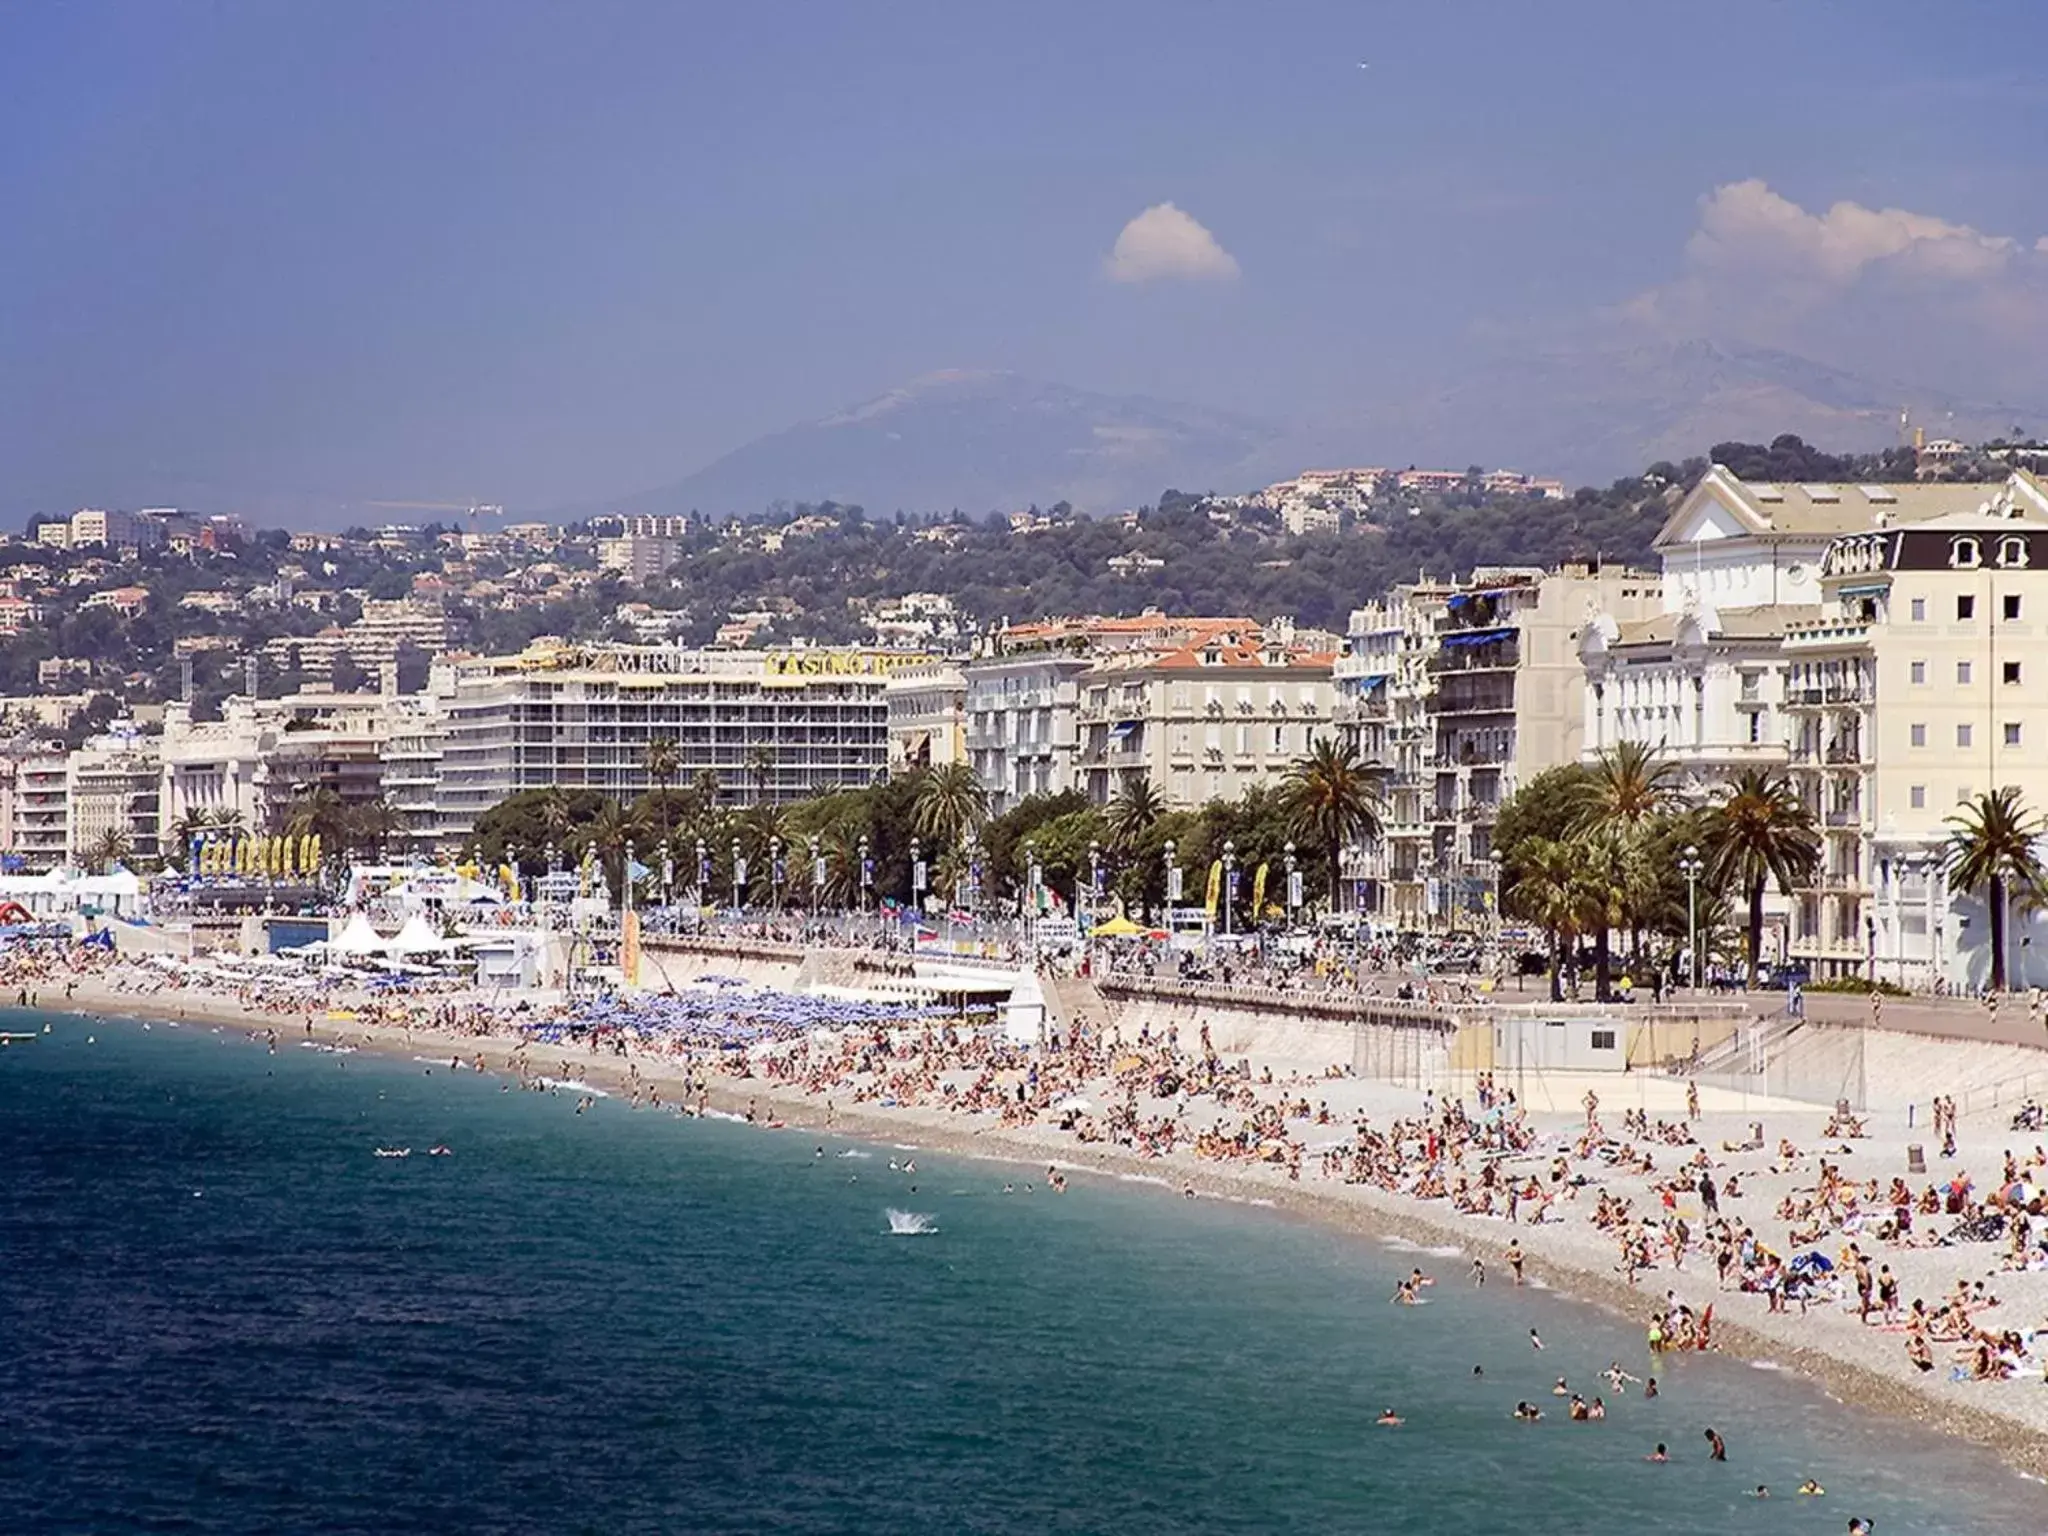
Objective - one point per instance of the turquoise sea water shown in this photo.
(221, 1312)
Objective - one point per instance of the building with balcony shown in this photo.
(1204, 710)
(772, 725)
(1383, 687)
(113, 786)
(1913, 692)
(1703, 677)
(927, 716)
(40, 835)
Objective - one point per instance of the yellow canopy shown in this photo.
(1118, 927)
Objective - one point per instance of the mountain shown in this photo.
(1596, 413)
(981, 442)
(984, 441)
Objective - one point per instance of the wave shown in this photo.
(576, 1085)
(911, 1224)
(864, 1156)
(1765, 1365)
(724, 1114)
(1146, 1178)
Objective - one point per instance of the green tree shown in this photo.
(1133, 813)
(1548, 891)
(109, 849)
(1759, 832)
(1329, 803)
(1992, 846)
(950, 803)
(664, 762)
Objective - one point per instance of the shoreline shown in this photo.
(1790, 1341)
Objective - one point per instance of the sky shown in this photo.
(296, 257)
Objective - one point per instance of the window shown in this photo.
(1919, 735)
(1919, 610)
(1919, 671)
(2012, 551)
(1966, 606)
(1756, 727)
(1962, 735)
(1963, 674)
(1603, 1039)
(1964, 554)
(2011, 671)
(2011, 605)
(1279, 740)
(1244, 740)
(2012, 733)
(1918, 796)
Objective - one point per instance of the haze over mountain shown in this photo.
(986, 440)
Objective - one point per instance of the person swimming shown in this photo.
(1388, 1416)
(1535, 1340)
(1719, 1447)
(1659, 1454)
(1528, 1413)
(1812, 1489)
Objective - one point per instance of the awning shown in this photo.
(1478, 636)
(1122, 729)
(1867, 589)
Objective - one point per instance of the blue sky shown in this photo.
(299, 255)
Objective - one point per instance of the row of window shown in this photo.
(2008, 672)
(1966, 607)
(1964, 734)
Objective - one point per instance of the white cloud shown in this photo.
(1163, 242)
(1745, 226)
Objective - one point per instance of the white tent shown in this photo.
(357, 937)
(418, 937)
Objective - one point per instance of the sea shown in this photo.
(221, 1311)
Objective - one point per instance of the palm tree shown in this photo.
(1546, 889)
(318, 811)
(109, 849)
(950, 803)
(372, 824)
(1608, 875)
(664, 762)
(1329, 802)
(1135, 810)
(1629, 783)
(557, 817)
(760, 769)
(1761, 832)
(1993, 846)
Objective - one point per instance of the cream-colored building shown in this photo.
(1204, 713)
(927, 716)
(1922, 684)
(1702, 678)
(113, 785)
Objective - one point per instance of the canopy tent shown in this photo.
(419, 937)
(1118, 927)
(357, 937)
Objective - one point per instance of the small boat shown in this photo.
(9, 1037)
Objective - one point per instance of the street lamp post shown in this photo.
(916, 873)
(626, 877)
(1094, 878)
(775, 874)
(739, 878)
(817, 875)
(1690, 865)
(866, 874)
(1293, 886)
(1229, 881)
(703, 872)
(1173, 879)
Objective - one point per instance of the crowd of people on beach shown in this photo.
(1649, 1186)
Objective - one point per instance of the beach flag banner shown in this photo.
(629, 947)
(1259, 891)
(1215, 887)
(312, 852)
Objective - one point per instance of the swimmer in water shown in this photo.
(1760, 1491)
(1617, 1378)
(1535, 1341)
(1479, 1271)
(1598, 1410)
(1528, 1413)
(1389, 1417)
(1811, 1489)
(1650, 1387)
(1404, 1293)
(1560, 1390)
(1659, 1454)
(1719, 1447)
